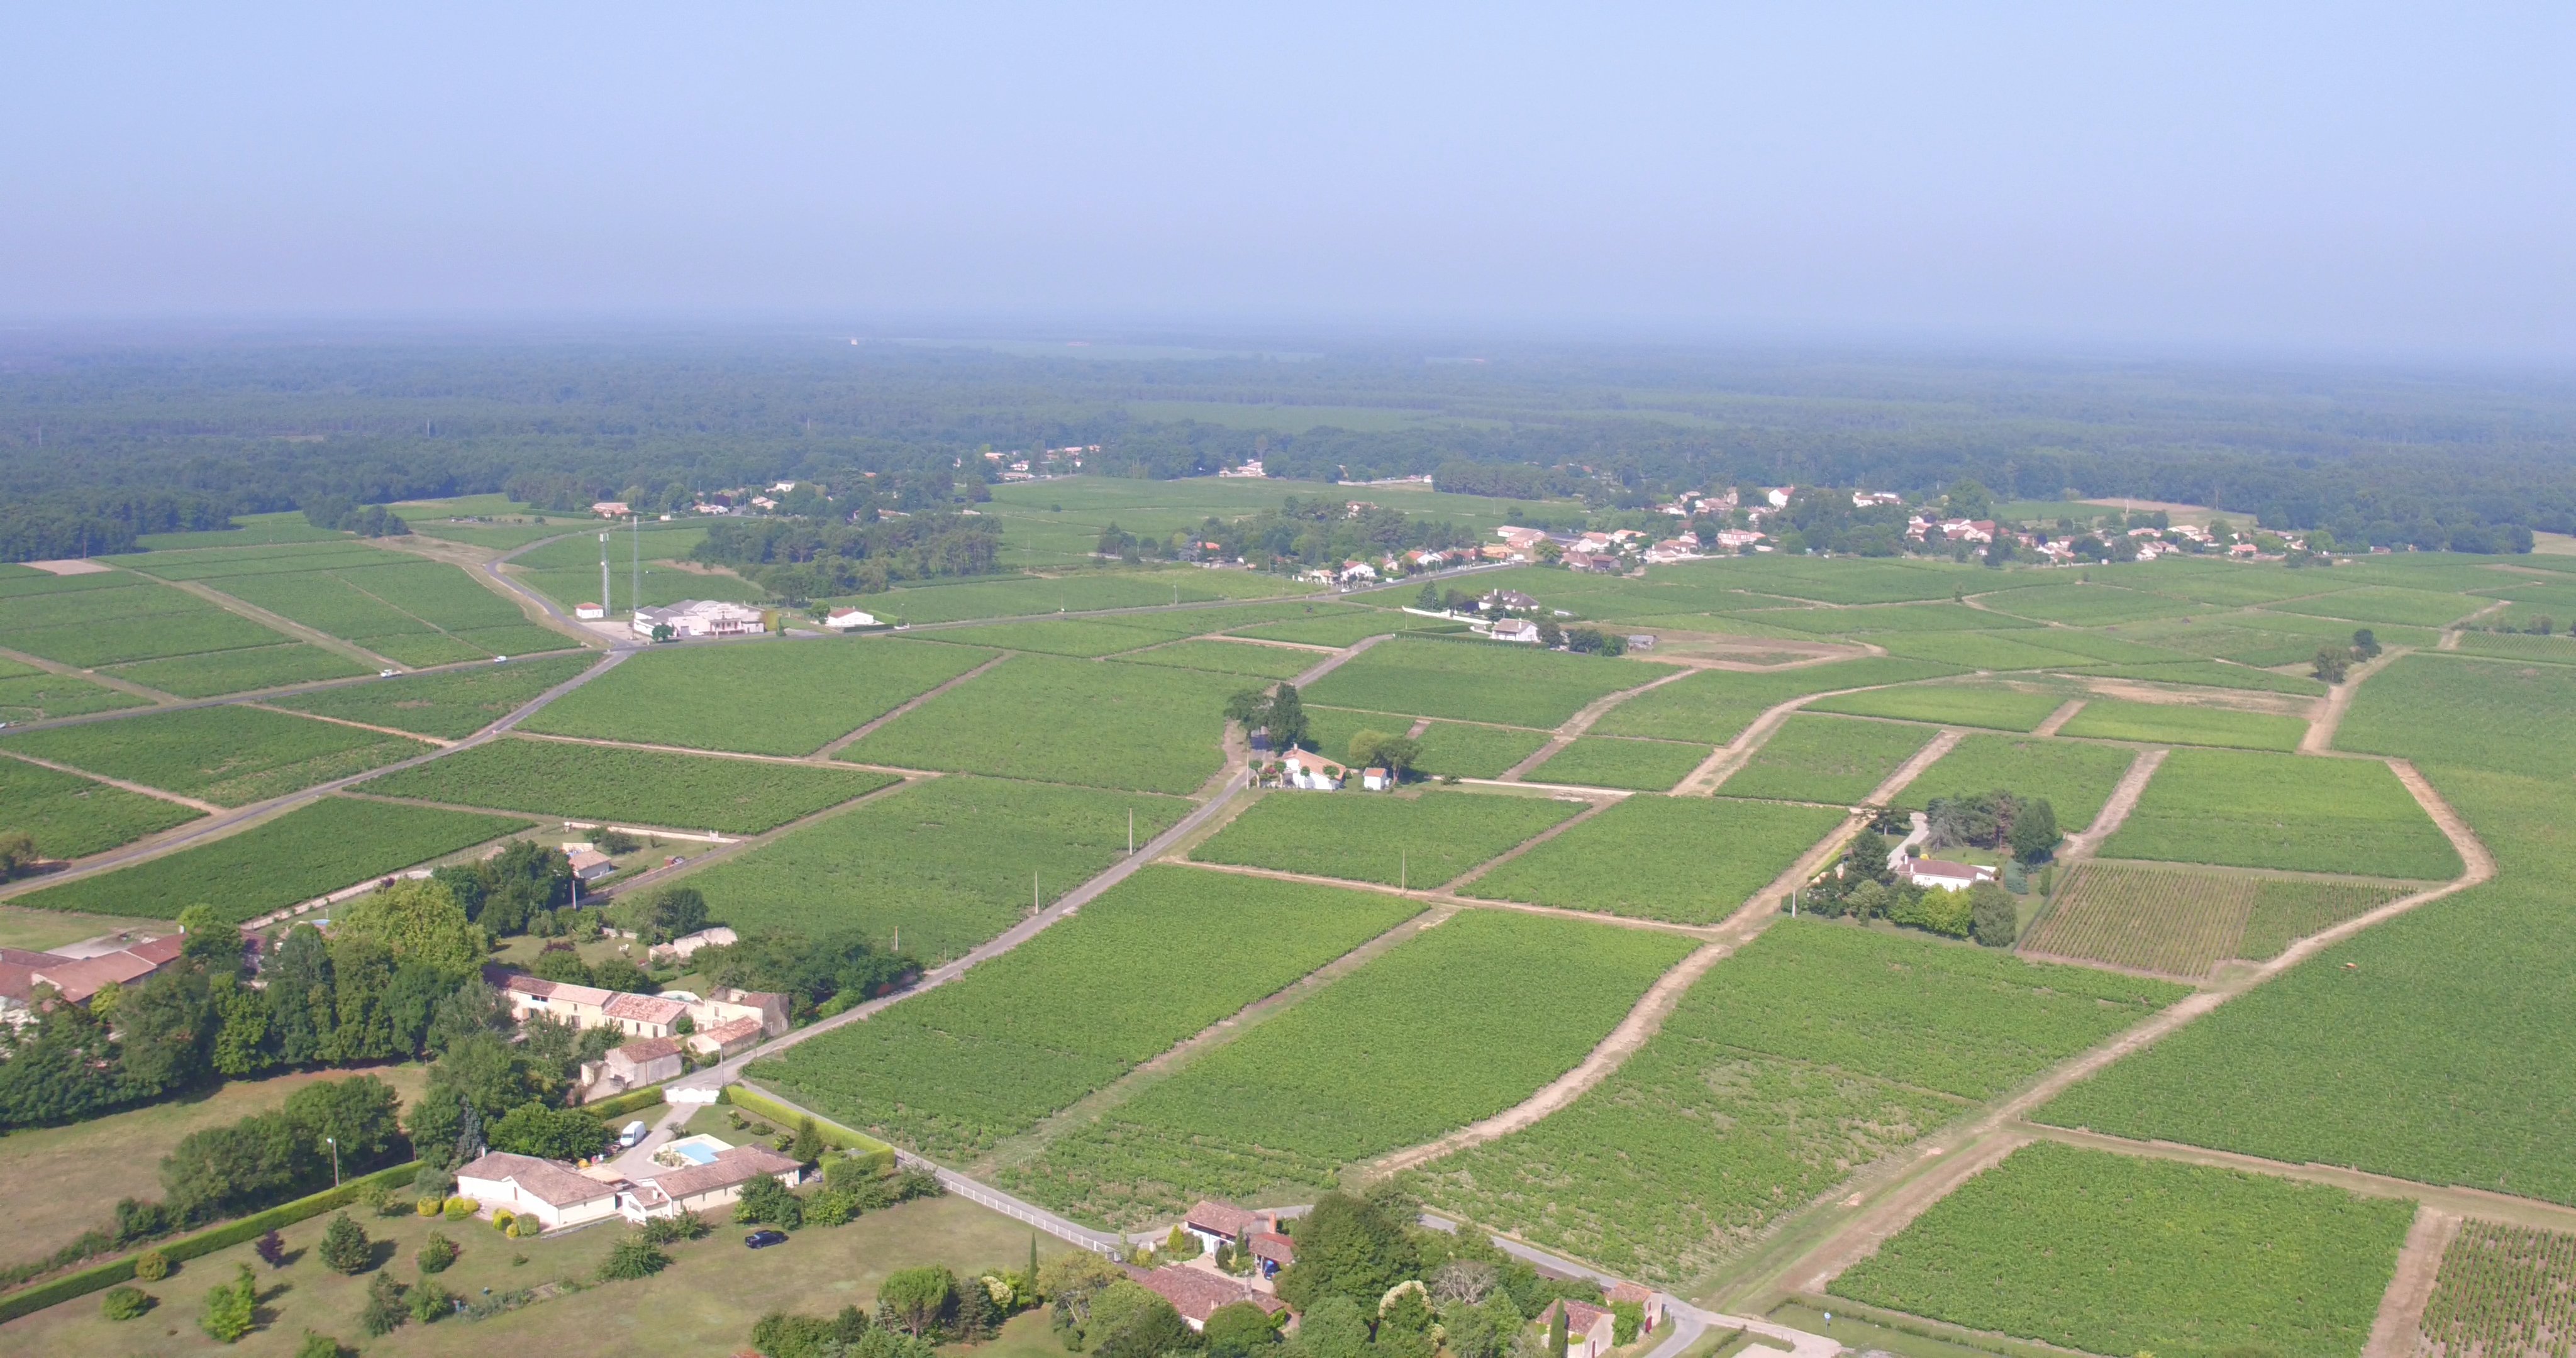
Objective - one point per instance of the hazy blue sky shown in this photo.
(2380, 179)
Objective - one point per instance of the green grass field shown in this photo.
(945, 865)
(2184, 724)
(786, 698)
(2252, 810)
(230, 756)
(1713, 706)
(310, 851)
(646, 787)
(220, 672)
(451, 705)
(1067, 721)
(1991, 706)
(1477, 681)
(1420, 841)
(1393, 1054)
(2478, 713)
(2114, 1254)
(1608, 761)
(1811, 1053)
(1825, 759)
(1695, 860)
(1033, 1030)
(70, 816)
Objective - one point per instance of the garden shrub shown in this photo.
(345, 1246)
(436, 1253)
(152, 1266)
(633, 1257)
(231, 1308)
(125, 1303)
(458, 1209)
(383, 1313)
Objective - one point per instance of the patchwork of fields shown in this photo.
(1418, 841)
(640, 787)
(230, 756)
(703, 697)
(2280, 811)
(1686, 859)
(1058, 720)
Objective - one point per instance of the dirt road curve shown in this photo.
(2123, 800)
(2401, 1308)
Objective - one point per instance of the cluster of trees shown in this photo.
(1278, 713)
(269, 1158)
(1863, 887)
(341, 514)
(821, 976)
(1318, 530)
(1992, 820)
(515, 891)
(799, 559)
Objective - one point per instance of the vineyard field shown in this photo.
(113, 640)
(944, 865)
(450, 705)
(2441, 1054)
(2171, 921)
(1693, 860)
(310, 851)
(1231, 657)
(230, 756)
(2182, 724)
(70, 816)
(1609, 761)
(2073, 778)
(1067, 721)
(1457, 750)
(1637, 1177)
(1999, 651)
(2208, 674)
(1477, 681)
(1085, 637)
(1993, 707)
(2243, 809)
(812, 693)
(2488, 710)
(1837, 760)
(1029, 1032)
(37, 695)
(2383, 604)
(2502, 1290)
(1337, 626)
(2286, 911)
(1713, 707)
(637, 787)
(1424, 841)
(1075, 593)
(1395, 1053)
(2113, 1254)
(220, 672)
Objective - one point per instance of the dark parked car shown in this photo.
(761, 1240)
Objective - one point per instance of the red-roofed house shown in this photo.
(644, 1061)
(1222, 1223)
(1589, 1329)
(1271, 1252)
(699, 1188)
(554, 1193)
(1197, 1293)
(1647, 1299)
(725, 1039)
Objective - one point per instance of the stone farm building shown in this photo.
(558, 1195)
(75, 979)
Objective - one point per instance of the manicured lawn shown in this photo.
(1420, 841)
(1607, 761)
(84, 1168)
(71, 816)
(647, 787)
(2281, 811)
(946, 865)
(771, 697)
(1477, 681)
(1825, 759)
(2183, 724)
(706, 1302)
(2113, 1254)
(1691, 859)
(310, 851)
(451, 705)
(1067, 721)
(230, 756)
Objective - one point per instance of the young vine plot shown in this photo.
(2178, 923)
(2503, 1292)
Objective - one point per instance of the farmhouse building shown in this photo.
(556, 1194)
(1515, 629)
(1197, 1293)
(1589, 1329)
(586, 1007)
(1376, 780)
(699, 618)
(1309, 772)
(589, 612)
(589, 864)
(682, 948)
(1647, 1300)
(1945, 875)
(850, 619)
(642, 1062)
(76, 979)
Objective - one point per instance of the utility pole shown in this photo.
(606, 607)
(635, 558)
(1131, 830)
(1033, 891)
(335, 1160)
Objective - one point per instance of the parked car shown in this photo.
(761, 1240)
(634, 1132)
(384, 674)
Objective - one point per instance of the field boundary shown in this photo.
(2419, 1262)
(1572, 728)
(101, 678)
(870, 727)
(289, 627)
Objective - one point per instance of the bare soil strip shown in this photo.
(2123, 800)
(1581, 722)
(124, 686)
(2338, 699)
(2058, 719)
(2401, 1308)
(1462, 879)
(1443, 898)
(1931, 754)
(359, 725)
(278, 622)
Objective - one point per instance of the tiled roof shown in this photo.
(1580, 1316)
(645, 1049)
(548, 1182)
(643, 1008)
(726, 1034)
(1221, 1218)
(565, 991)
(1197, 1293)
(160, 952)
(1274, 1247)
(736, 1165)
(78, 980)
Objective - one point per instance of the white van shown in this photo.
(633, 1134)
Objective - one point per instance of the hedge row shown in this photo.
(81, 1284)
(624, 1104)
(833, 1133)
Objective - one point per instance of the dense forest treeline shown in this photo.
(101, 441)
